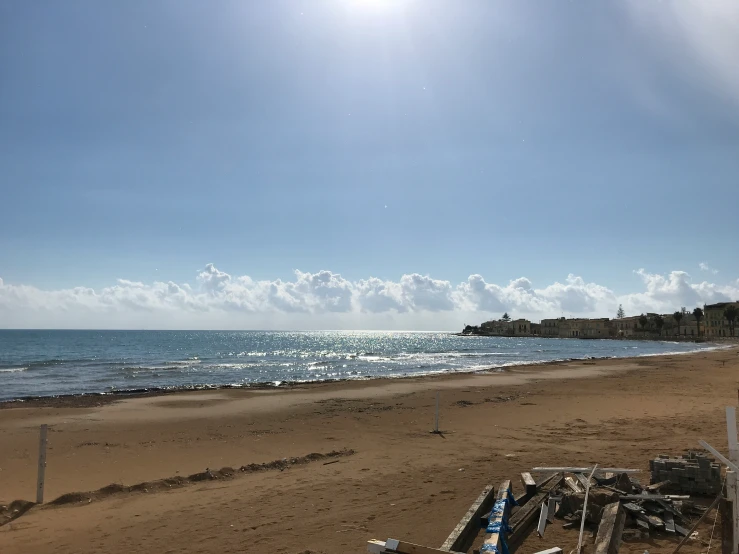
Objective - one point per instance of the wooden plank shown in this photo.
(469, 526)
(732, 497)
(675, 513)
(608, 539)
(495, 534)
(653, 521)
(584, 481)
(731, 432)
(555, 550)
(521, 500)
(525, 517)
(633, 508)
(682, 531)
(656, 486)
(574, 485)
(529, 485)
(542, 519)
(669, 522)
(727, 526)
(551, 509)
(583, 470)
(401, 547)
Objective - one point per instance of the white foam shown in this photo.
(12, 369)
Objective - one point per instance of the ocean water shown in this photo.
(48, 363)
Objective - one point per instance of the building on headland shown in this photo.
(518, 327)
(550, 327)
(687, 326)
(586, 328)
(521, 327)
(715, 322)
(497, 328)
(626, 326)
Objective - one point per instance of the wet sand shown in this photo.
(393, 478)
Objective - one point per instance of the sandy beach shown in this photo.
(379, 472)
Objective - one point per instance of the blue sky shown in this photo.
(371, 138)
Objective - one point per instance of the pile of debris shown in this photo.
(691, 474)
(646, 510)
(616, 507)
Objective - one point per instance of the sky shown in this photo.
(364, 164)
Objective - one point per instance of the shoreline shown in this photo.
(97, 399)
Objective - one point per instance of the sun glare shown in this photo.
(376, 5)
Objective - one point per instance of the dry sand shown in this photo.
(401, 481)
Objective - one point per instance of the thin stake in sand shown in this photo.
(436, 417)
(41, 464)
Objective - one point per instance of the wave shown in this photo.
(13, 369)
(183, 363)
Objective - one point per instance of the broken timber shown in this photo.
(574, 485)
(610, 529)
(521, 500)
(467, 529)
(529, 484)
(526, 515)
(542, 519)
(498, 525)
(584, 481)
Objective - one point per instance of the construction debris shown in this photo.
(691, 474)
(618, 508)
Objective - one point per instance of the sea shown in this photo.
(53, 363)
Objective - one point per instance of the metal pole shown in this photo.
(436, 420)
(585, 509)
(41, 465)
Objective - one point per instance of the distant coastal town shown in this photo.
(712, 321)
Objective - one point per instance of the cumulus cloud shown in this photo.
(705, 267)
(327, 300)
(666, 293)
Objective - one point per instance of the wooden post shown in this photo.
(726, 508)
(610, 529)
(732, 484)
(41, 465)
(529, 484)
(731, 432)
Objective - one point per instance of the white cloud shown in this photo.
(705, 267)
(327, 300)
(667, 293)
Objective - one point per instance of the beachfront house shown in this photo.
(715, 322)
(550, 327)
